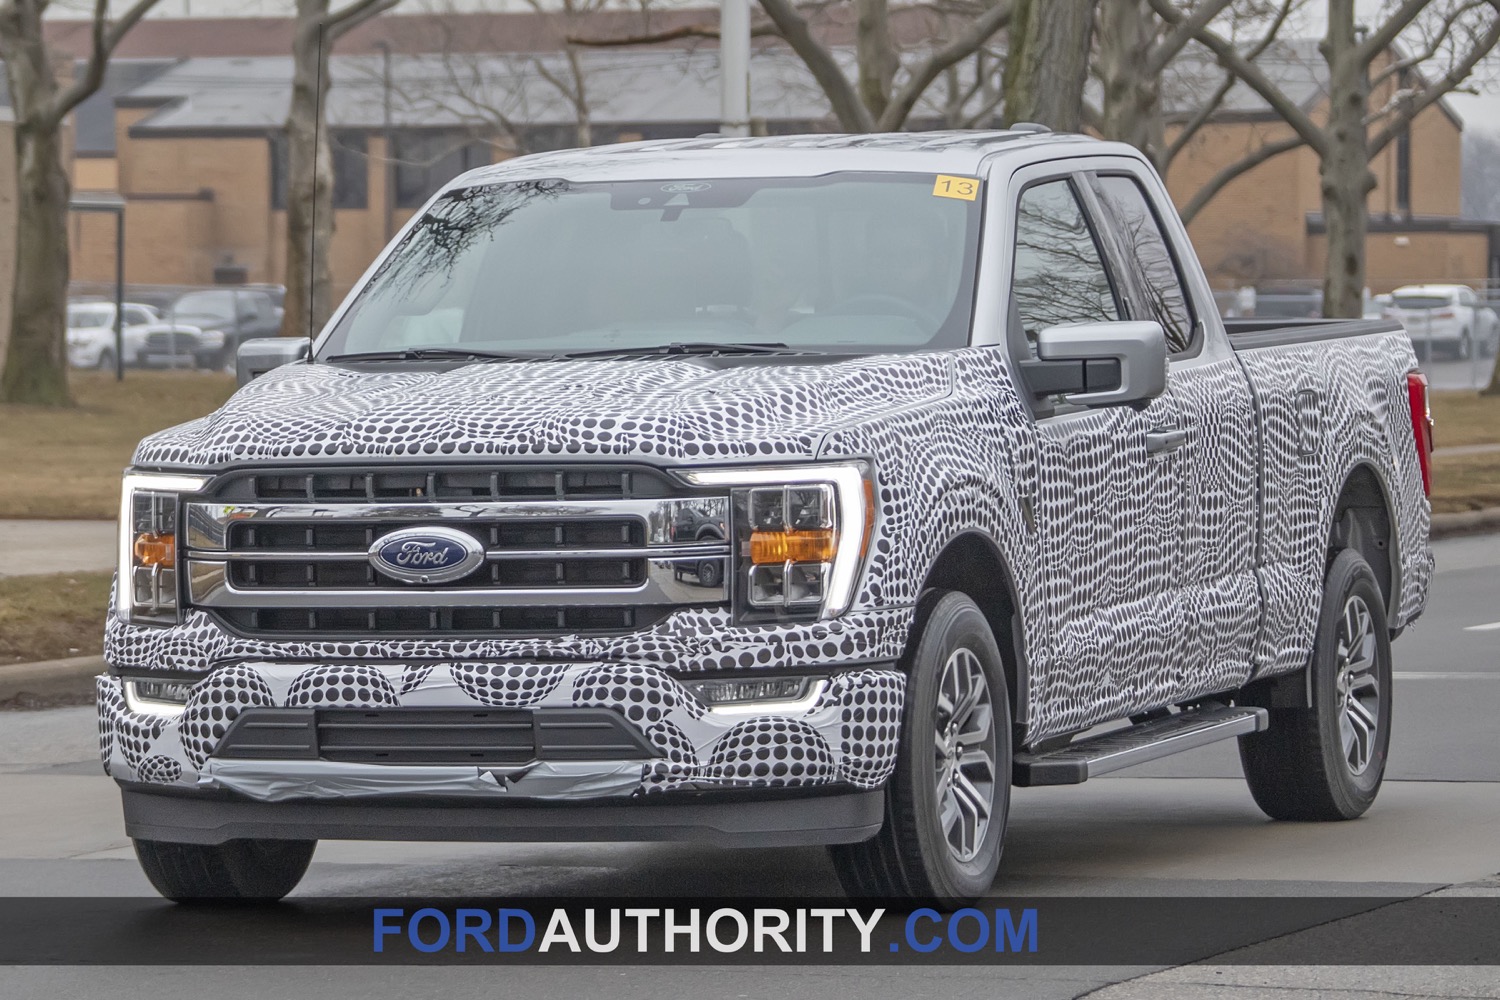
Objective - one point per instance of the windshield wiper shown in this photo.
(694, 347)
(434, 354)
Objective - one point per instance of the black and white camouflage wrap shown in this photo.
(1139, 577)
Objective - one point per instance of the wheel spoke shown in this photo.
(978, 732)
(964, 746)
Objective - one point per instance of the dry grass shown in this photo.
(52, 617)
(65, 463)
(1465, 418)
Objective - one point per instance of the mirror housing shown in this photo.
(1100, 364)
(256, 357)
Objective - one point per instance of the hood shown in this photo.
(688, 409)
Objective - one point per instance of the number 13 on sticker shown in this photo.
(963, 188)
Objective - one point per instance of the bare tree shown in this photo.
(886, 88)
(1455, 35)
(36, 368)
(309, 202)
(1135, 49)
(1048, 62)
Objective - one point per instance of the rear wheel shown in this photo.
(710, 572)
(1326, 762)
(948, 800)
(248, 870)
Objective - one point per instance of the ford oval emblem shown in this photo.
(426, 555)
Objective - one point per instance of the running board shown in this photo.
(1111, 751)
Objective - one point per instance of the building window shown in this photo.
(427, 160)
(351, 169)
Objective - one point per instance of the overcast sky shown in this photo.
(1479, 111)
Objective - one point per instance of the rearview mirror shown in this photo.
(1100, 364)
(256, 357)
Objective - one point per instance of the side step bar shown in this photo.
(1111, 751)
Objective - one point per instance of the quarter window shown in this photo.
(1059, 272)
(1145, 246)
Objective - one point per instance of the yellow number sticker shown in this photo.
(963, 188)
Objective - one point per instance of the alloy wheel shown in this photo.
(964, 753)
(1357, 684)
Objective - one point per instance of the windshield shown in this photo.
(842, 263)
(214, 305)
(1422, 301)
(88, 317)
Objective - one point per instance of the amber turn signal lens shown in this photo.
(155, 550)
(776, 547)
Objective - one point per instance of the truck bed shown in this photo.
(1250, 334)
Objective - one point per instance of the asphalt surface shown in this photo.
(1185, 826)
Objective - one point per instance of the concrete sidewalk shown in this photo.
(33, 548)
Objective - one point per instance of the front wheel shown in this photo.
(1326, 762)
(245, 870)
(949, 798)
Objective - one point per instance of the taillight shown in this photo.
(1421, 425)
(1443, 314)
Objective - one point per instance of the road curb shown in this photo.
(50, 677)
(1466, 522)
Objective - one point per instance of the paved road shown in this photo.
(1185, 826)
(29, 547)
(1471, 374)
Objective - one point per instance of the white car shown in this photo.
(1449, 318)
(145, 339)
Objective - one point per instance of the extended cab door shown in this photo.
(1215, 463)
(1110, 503)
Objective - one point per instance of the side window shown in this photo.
(1465, 297)
(136, 317)
(1144, 244)
(1059, 272)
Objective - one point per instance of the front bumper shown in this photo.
(843, 739)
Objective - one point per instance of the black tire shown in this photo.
(911, 857)
(246, 870)
(711, 572)
(1300, 768)
(106, 361)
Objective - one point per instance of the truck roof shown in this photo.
(783, 155)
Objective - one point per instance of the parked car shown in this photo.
(147, 341)
(227, 317)
(1288, 302)
(995, 474)
(1449, 318)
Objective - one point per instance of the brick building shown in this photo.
(188, 131)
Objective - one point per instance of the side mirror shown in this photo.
(256, 357)
(1100, 364)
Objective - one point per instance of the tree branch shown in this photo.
(1183, 32)
(1201, 117)
(968, 41)
(1438, 37)
(1231, 59)
(666, 35)
(1444, 84)
(842, 98)
(1390, 29)
(106, 37)
(353, 14)
(1250, 161)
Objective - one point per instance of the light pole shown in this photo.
(734, 64)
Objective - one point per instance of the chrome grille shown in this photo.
(171, 342)
(587, 553)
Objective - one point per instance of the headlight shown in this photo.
(801, 534)
(212, 339)
(149, 506)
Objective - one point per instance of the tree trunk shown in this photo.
(1129, 108)
(36, 362)
(1048, 62)
(1344, 171)
(876, 57)
(309, 201)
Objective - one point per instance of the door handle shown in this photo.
(1161, 439)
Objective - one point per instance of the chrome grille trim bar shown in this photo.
(208, 523)
(492, 555)
(209, 586)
